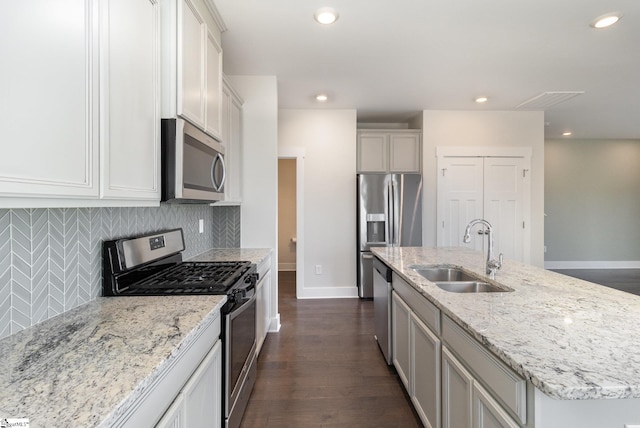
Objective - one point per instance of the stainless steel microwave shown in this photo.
(193, 169)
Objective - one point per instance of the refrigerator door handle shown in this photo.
(396, 213)
(387, 215)
(392, 214)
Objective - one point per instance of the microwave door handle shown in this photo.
(220, 159)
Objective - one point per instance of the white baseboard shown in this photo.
(275, 325)
(287, 267)
(592, 264)
(329, 293)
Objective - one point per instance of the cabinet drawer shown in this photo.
(419, 304)
(506, 385)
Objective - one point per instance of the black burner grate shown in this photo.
(192, 278)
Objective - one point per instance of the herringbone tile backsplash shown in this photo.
(51, 259)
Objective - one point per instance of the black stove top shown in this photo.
(152, 265)
(193, 278)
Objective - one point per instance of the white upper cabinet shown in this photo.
(48, 101)
(389, 151)
(232, 140)
(130, 99)
(80, 112)
(192, 64)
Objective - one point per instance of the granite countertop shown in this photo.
(570, 338)
(87, 366)
(253, 255)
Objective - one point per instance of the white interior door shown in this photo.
(494, 188)
(505, 191)
(460, 199)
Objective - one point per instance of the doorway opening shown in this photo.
(290, 222)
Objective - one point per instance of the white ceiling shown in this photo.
(390, 59)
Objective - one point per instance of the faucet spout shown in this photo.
(492, 264)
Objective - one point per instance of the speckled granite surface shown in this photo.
(253, 255)
(571, 338)
(86, 366)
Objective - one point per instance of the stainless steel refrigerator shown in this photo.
(389, 213)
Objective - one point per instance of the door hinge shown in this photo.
(443, 171)
(523, 224)
(524, 173)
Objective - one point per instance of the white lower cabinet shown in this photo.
(199, 404)
(457, 389)
(425, 372)
(416, 356)
(400, 316)
(452, 380)
(487, 413)
(263, 302)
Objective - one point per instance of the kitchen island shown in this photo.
(576, 344)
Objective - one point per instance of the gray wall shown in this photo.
(592, 200)
(50, 259)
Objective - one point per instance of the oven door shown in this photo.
(239, 359)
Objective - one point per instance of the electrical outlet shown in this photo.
(545, 248)
(201, 225)
(318, 269)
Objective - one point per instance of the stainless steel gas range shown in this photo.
(151, 265)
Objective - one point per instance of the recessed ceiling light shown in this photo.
(326, 15)
(322, 97)
(606, 20)
(566, 134)
(482, 99)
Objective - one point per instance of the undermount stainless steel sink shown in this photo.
(456, 280)
(448, 274)
(469, 287)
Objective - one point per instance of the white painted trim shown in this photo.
(516, 152)
(287, 267)
(329, 293)
(614, 264)
(297, 153)
(275, 325)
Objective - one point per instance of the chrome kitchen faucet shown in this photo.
(492, 264)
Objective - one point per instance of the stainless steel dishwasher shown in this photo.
(382, 307)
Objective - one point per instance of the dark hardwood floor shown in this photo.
(621, 279)
(324, 369)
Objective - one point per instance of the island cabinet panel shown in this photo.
(487, 413)
(457, 390)
(508, 387)
(425, 373)
(416, 356)
(400, 316)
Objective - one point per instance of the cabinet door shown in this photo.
(487, 413)
(263, 305)
(404, 153)
(130, 131)
(202, 393)
(174, 417)
(425, 373)
(192, 34)
(232, 139)
(48, 112)
(457, 386)
(372, 153)
(214, 87)
(400, 320)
